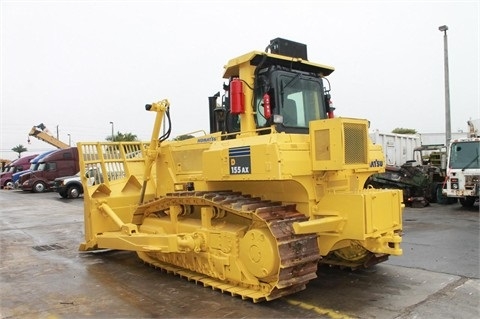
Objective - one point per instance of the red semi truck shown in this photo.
(17, 165)
(63, 162)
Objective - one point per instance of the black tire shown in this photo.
(8, 184)
(467, 201)
(441, 199)
(74, 191)
(63, 194)
(433, 194)
(39, 187)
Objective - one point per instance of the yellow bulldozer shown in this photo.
(251, 208)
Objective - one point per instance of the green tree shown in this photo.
(19, 149)
(120, 137)
(401, 130)
(183, 137)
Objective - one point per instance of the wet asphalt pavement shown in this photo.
(43, 275)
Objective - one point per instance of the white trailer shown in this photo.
(439, 138)
(398, 148)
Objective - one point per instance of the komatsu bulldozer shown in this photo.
(251, 208)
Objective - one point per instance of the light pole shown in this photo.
(448, 130)
(113, 136)
(69, 140)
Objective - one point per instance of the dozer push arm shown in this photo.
(161, 108)
(129, 237)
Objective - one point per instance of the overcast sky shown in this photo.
(79, 65)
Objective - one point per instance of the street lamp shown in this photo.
(448, 130)
(113, 137)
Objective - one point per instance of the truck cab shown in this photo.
(59, 163)
(19, 165)
(33, 167)
(463, 172)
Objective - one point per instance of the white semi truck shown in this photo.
(463, 167)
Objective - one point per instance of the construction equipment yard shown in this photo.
(44, 275)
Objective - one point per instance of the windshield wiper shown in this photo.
(470, 163)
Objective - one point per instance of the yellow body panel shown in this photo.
(284, 170)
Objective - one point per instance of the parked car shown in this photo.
(68, 186)
(71, 186)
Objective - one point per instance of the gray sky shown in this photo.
(79, 65)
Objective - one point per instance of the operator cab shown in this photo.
(296, 98)
(287, 92)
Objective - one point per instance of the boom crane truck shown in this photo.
(40, 132)
(253, 207)
(463, 167)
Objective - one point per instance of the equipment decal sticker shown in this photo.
(239, 158)
(376, 163)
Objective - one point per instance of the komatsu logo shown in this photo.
(376, 163)
(206, 139)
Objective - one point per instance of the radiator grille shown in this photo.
(339, 143)
(355, 144)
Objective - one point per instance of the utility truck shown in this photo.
(463, 167)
